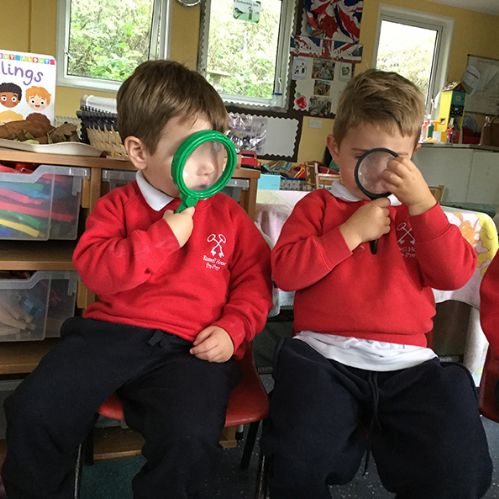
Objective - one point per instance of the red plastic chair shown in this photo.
(248, 405)
(489, 388)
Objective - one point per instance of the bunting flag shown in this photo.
(337, 19)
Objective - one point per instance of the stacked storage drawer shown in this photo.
(39, 206)
(116, 178)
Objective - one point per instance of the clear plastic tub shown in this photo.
(117, 178)
(41, 205)
(34, 308)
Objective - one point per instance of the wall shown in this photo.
(30, 26)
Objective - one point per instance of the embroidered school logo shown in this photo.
(405, 240)
(218, 240)
(214, 259)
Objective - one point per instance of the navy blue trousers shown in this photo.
(174, 399)
(421, 424)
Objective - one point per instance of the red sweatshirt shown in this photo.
(489, 305)
(130, 258)
(383, 297)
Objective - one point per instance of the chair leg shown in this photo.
(78, 471)
(249, 444)
(85, 455)
(262, 478)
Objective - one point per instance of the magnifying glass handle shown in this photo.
(374, 246)
(186, 203)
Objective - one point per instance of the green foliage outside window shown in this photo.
(242, 54)
(108, 38)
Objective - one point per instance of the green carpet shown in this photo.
(110, 479)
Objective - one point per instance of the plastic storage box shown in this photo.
(7, 387)
(35, 307)
(41, 205)
(116, 178)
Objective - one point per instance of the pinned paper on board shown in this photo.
(27, 86)
(319, 96)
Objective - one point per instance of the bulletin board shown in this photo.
(481, 80)
(323, 54)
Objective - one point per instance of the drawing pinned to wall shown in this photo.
(323, 69)
(322, 87)
(302, 68)
(247, 10)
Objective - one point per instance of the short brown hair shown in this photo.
(160, 90)
(380, 97)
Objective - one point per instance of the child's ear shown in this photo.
(332, 146)
(137, 152)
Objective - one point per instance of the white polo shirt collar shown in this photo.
(156, 199)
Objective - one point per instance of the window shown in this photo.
(244, 49)
(100, 42)
(416, 45)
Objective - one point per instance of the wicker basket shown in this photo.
(100, 130)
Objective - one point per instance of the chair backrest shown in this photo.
(489, 388)
(318, 180)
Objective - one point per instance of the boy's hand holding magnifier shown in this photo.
(380, 172)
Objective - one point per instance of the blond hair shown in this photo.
(160, 90)
(380, 97)
(41, 92)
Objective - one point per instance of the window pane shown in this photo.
(407, 50)
(108, 38)
(242, 54)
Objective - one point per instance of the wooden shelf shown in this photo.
(36, 255)
(115, 442)
(21, 357)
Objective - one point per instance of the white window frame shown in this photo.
(159, 31)
(282, 76)
(444, 27)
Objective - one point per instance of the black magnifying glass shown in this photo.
(202, 166)
(368, 176)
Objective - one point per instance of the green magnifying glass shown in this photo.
(202, 166)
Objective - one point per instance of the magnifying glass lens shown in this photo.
(370, 170)
(205, 166)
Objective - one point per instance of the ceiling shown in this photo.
(489, 6)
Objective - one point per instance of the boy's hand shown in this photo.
(180, 223)
(213, 344)
(403, 178)
(368, 223)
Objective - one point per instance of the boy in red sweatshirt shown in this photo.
(179, 298)
(358, 377)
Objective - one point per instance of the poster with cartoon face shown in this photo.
(27, 85)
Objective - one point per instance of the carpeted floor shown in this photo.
(111, 479)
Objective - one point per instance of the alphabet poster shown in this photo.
(27, 86)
